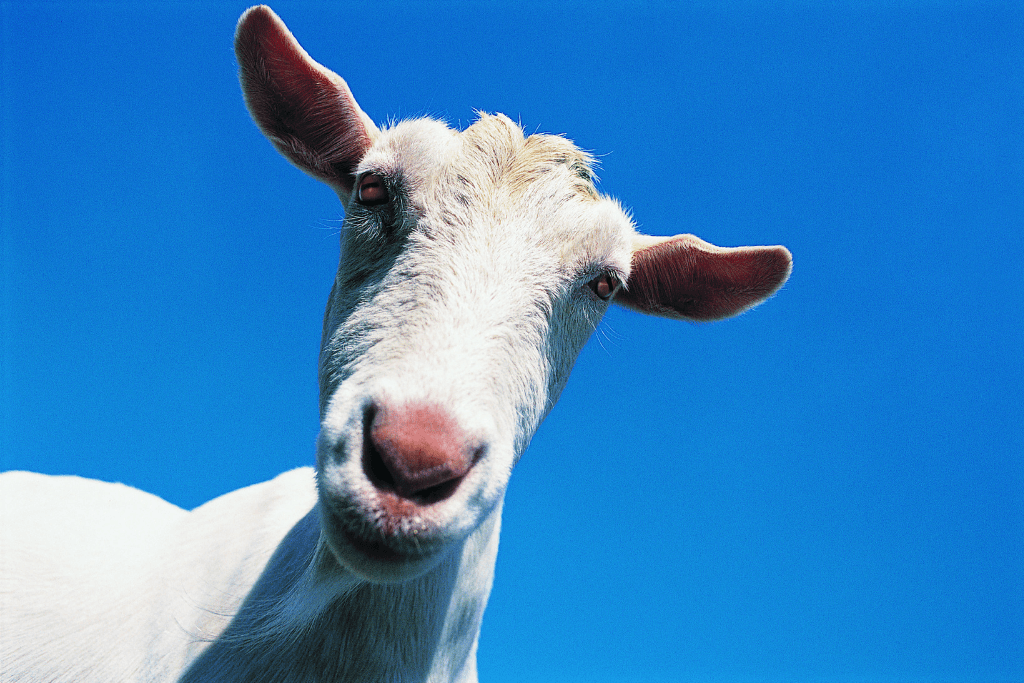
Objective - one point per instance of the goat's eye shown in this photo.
(371, 190)
(604, 286)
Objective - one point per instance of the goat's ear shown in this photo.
(686, 278)
(305, 109)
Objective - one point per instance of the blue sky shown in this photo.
(828, 488)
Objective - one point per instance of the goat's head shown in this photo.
(474, 267)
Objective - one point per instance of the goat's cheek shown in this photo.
(570, 329)
(332, 480)
(339, 446)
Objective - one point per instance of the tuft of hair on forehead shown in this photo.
(512, 160)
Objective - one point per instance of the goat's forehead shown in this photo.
(539, 187)
(416, 149)
(493, 151)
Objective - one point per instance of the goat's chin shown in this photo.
(373, 557)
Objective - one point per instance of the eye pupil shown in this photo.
(371, 190)
(604, 286)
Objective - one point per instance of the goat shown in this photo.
(475, 265)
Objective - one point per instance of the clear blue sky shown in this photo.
(829, 488)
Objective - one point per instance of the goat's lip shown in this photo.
(377, 545)
(375, 549)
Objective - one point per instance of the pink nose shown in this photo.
(419, 451)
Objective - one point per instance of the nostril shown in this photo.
(478, 453)
(373, 465)
(375, 468)
(438, 492)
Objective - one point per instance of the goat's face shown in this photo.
(474, 267)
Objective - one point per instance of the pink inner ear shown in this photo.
(306, 110)
(685, 277)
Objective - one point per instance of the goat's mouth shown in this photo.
(377, 548)
(384, 550)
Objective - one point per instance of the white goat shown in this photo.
(475, 265)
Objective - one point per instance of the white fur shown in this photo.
(105, 583)
(467, 293)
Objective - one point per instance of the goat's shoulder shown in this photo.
(102, 582)
(75, 525)
(71, 554)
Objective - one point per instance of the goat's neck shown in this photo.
(308, 619)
